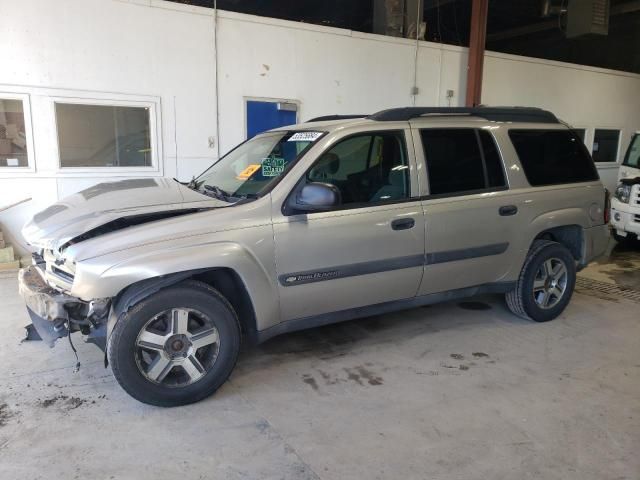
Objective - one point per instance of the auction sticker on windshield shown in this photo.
(305, 137)
(272, 166)
(247, 172)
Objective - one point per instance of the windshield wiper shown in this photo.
(218, 192)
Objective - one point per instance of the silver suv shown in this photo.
(330, 220)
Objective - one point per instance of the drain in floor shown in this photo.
(586, 285)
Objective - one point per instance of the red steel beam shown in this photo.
(477, 39)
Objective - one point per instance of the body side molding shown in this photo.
(466, 253)
(398, 263)
(350, 270)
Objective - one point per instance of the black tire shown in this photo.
(121, 348)
(521, 300)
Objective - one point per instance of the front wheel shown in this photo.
(175, 347)
(546, 282)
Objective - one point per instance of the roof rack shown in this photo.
(498, 114)
(326, 118)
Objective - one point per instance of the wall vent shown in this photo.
(588, 16)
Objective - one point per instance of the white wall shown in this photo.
(163, 54)
(327, 70)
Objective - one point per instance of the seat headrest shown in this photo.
(397, 175)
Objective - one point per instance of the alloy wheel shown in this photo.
(177, 347)
(550, 283)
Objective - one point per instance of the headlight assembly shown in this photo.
(623, 192)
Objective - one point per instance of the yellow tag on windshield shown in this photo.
(247, 172)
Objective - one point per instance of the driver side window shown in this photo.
(366, 168)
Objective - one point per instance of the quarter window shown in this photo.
(103, 136)
(461, 161)
(366, 168)
(13, 134)
(551, 157)
(605, 145)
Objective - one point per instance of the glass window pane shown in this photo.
(366, 168)
(352, 158)
(13, 139)
(453, 159)
(495, 172)
(581, 133)
(103, 136)
(551, 157)
(255, 165)
(632, 158)
(605, 145)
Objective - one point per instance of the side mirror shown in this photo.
(316, 197)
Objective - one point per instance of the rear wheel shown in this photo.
(546, 282)
(175, 347)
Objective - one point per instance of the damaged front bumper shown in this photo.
(55, 314)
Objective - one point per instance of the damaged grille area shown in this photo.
(62, 274)
(57, 271)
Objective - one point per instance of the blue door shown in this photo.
(262, 116)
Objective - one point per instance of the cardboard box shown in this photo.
(15, 265)
(6, 254)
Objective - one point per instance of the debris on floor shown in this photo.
(7, 256)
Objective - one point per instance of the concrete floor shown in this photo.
(620, 265)
(453, 391)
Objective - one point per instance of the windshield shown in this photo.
(632, 158)
(252, 167)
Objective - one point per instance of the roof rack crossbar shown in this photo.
(498, 114)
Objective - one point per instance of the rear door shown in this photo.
(368, 250)
(470, 215)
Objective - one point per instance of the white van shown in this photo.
(625, 204)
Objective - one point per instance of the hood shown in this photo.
(119, 204)
(627, 171)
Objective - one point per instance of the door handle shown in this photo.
(403, 223)
(508, 210)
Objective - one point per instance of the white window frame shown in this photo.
(617, 161)
(587, 134)
(156, 167)
(28, 133)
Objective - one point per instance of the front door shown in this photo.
(370, 249)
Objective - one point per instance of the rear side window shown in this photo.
(462, 160)
(552, 157)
